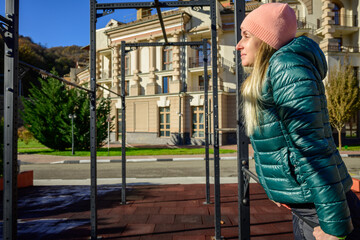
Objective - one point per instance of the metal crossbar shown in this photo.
(156, 4)
(163, 4)
(307, 221)
(43, 72)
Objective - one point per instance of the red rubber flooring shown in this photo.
(152, 212)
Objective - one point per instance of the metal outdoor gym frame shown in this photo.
(109, 8)
(9, 27)
(9, 31)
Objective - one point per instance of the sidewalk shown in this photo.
(39, 159)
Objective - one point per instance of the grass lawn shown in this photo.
(34, 147)
(350, 148)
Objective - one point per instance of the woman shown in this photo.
(286, 118)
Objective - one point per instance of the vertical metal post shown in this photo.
(11, 67)
(242, 140)
(72, 135)
(123, 130)
(179, 135)
(216, 120)
(206, 84)
(93, 197)
(210, 137)
(108, 120)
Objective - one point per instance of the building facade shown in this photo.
(165, 85)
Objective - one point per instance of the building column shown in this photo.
(151, 86)
(328, 26)
(135, 87)
(220, 69)
(175, 84)
(343, 20)
(116, 69)
(98, 66)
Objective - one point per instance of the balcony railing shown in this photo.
(338, 48)
(303, 24)
(228, 65)
(105, 74)
(195, 62)
(345, 20)
(198, 88)
(202, 88)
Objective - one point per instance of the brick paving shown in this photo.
(171, 212)
(158, 212)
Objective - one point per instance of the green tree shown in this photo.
(342, 92)
(46, 115)
(82, 120)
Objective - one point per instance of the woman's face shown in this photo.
(248, 46)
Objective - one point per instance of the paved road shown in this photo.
(133, 169)
(159, 172)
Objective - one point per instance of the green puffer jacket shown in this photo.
(296, 158)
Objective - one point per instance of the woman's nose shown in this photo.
(238, 46)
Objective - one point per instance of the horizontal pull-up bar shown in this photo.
(226, 129)
(41, 71)
(308, 222)
(5, 20)
(160, 44)
(164, 4)
(98, 85)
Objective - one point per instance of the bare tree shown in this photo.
(342, 92)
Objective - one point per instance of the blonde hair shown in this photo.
(252, 86)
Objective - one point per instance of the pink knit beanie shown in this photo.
(273, 23)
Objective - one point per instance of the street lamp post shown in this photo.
(72, 116)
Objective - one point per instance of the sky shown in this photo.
(53, 23)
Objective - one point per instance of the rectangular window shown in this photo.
(356, 71)
(167, 58)
(106, 66)
(127, 64)
(339, 44)
(198, 122)
(202, 82)
(126, 88)
(199, 59)
(164, 121)
(119, 124)
(165, 83)
(351, 127)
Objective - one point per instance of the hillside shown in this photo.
(59, 58)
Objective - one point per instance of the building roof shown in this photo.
(251, 5)
(146, 19)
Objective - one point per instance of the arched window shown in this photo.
(336, 11)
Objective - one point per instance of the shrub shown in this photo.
(25, 135)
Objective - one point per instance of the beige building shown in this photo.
(334, 25)
(165, 85)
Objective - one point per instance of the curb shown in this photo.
(349, 155)
(160, 159)
(140, 160)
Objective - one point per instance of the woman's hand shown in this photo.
(277, 204)
(319, 234)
